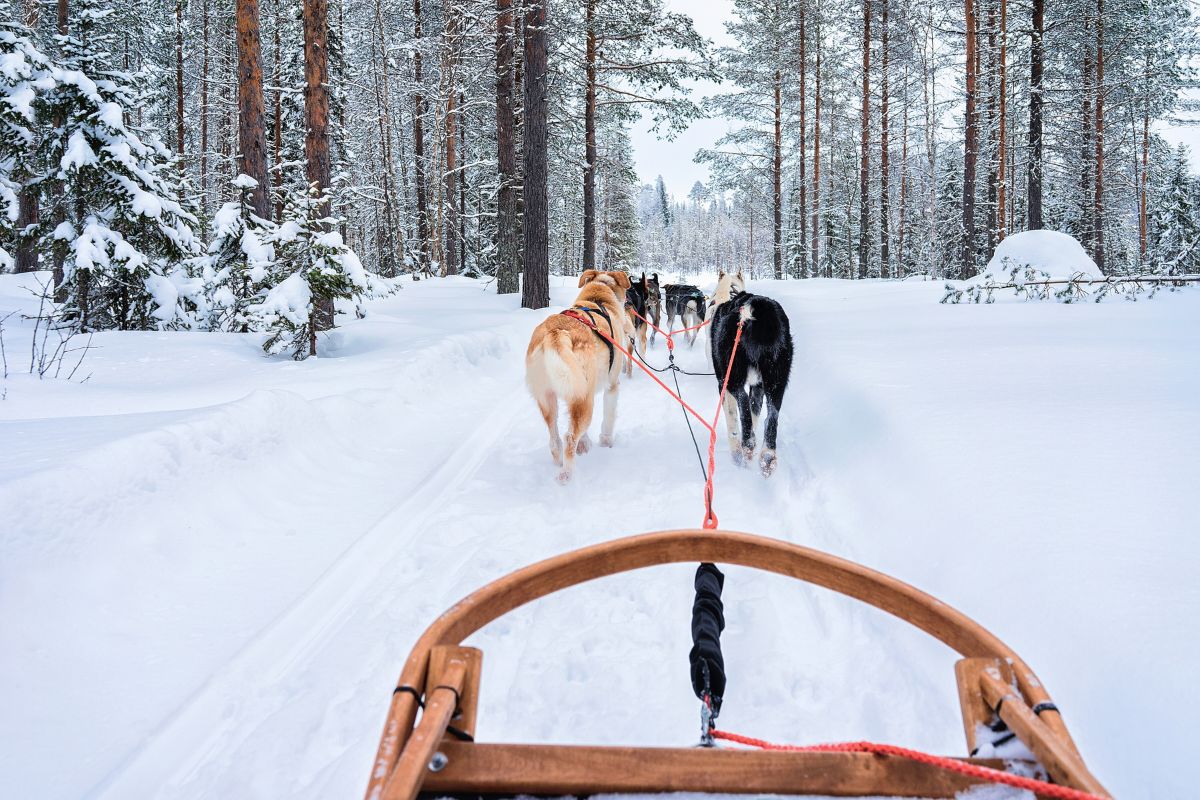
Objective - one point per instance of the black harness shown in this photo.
(612, 354)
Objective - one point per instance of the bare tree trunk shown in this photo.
(277, 100)
(60, 293)
(816, 179)
(27, 205)
(462, 182)
(803, 216)
(884, 177)
(1142, 192)
(179, 83)
(970, 147)
(204, 112)
(507, 220)
(252, 138)
(1086, 125)
(993, 167)
(535, 291)
(1098, 200)
(901, 242)
(1037, 59)
(450, 230)
(864, 167)
(316, 138)
(419, 145)
(589, 138)
(1002, 145)
(777, 180)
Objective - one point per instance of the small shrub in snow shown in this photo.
(237, 266)
(123, 232)
(313, 268)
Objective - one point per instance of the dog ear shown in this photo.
(654, 278)
(740, 276)
(720, 274)
(622, 278)
(588, 277)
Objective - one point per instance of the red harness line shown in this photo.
(1041, 788)
(666, 335)
(710, 516)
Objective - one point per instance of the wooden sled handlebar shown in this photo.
(989, 669)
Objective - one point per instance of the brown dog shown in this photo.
(567, 360)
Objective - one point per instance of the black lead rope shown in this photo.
(457, 733)
(707, 663)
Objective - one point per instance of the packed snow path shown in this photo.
(214, 563)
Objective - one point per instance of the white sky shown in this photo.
(673, 159)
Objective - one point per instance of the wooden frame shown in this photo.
(447, 676)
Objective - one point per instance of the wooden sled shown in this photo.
(416, 757)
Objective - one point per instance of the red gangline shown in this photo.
(951, 764)
(710, 517)
(668, 335)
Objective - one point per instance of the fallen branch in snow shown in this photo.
(1034, 284)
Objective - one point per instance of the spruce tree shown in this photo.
(122, 231)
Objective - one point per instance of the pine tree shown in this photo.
(123, 230)
(238, 264)
(24, 72)
(1176, 222)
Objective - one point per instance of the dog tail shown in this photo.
(564, 373)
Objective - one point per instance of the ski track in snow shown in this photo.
(423, 403)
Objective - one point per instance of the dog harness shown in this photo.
(573, 313)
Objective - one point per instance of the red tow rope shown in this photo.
(950, 764)
(710, 516)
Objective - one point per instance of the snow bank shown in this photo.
(239, 552)
(1057, 254)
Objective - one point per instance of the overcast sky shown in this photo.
(673, 159)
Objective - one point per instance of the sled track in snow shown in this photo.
(209, 716)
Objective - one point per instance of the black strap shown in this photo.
(1046, 706)
(457, 733)
(612, 353)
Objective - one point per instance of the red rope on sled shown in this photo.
(953, 765)
(710, 516)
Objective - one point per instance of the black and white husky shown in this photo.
(761, 366)
(686, 302)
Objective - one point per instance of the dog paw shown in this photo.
(556, 454)
(584, 445)
(748, 453)
(738, 457)
(564, 477)
(606, 440)
(768, 462)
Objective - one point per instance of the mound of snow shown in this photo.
(1058, 254)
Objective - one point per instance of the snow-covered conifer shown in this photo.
(118, 224)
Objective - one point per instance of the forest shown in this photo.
(242, 166)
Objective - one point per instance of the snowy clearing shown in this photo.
(214, 563)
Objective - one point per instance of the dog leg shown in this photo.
(747, 419)
(731, 425)
(610, 416)
(548, 405)
(580, 412)
(584, 444)
(756, 400)
(768, 460)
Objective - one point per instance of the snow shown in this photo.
(78, 154)
(213, 563)
(1058, 254)
(244, 181)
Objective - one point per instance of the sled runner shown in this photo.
(436, 755)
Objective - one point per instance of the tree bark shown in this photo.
(884, 177)
(508, 218)
(450, 230)
(1098, 182)
(204, 110)
(864, 166)
(970, 148)
(419, 145)
(1002, 144)
(589, 138)
(816, 177)
(179, 137)
(27, 204)
(316, 136)
(777, 180)
(803, 260)
(1037, 59)
(535, 291)
(252, 138)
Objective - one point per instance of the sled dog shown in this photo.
(686, 302)
(567, 360)
(761, 366)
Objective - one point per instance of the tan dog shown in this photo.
(569, 361)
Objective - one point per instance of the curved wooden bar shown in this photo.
(944, 623)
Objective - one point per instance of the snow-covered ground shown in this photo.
(212, 563)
